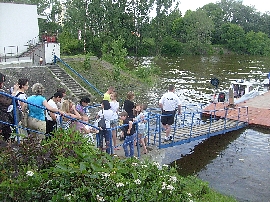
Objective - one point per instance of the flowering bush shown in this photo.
(79, 172)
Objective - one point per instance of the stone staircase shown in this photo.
(76, 90)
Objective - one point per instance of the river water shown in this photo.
(236, 163)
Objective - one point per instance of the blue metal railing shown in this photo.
(187, 120)
(86, 81)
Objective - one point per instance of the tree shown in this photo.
(159, 22)
(216, 14)
(197, 31)
(257, 43)
(245, 16)
(233, 36)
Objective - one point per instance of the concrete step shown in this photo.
(72, 85)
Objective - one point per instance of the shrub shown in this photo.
(73, 170)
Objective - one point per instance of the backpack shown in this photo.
(101, 122)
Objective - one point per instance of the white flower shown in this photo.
(100, 198)
(165, 165)
(163, 185)
(156, 164)
(68, 196)
(138, 181)
(170, 187)
(134, 164)
(120, 184)
(49, 181)
(144, 166)
(173, 179)
(105, 175)
(189, 194)
(29, 173)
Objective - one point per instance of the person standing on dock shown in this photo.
(168, 103)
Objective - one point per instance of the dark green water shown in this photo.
(237, 163)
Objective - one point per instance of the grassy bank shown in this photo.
(68, 168)
(102, 75)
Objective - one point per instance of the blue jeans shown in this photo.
(129, 141)
(104, 134)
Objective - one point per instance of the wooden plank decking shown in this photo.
(258, 110)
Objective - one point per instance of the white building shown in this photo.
(19, 32)
(18, 28)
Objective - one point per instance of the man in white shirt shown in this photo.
(51, 118)
(168, 104)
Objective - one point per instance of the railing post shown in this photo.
(159, 131)
(190, 132)
(137, 139)
(110, 141)
(54, 59)
(148, 130)
(184, 118)
(209, 129)
(225, 120)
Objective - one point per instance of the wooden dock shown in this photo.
(258, 110)
(255, 111)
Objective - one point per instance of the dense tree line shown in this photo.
(225, 25)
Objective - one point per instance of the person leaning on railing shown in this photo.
(36, 116)
(69, 108)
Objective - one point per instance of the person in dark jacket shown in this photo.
(5, 116)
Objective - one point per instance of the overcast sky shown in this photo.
(260, 5)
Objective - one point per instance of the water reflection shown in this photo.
(236, 163)
(204, 153)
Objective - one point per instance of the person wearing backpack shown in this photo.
(104, 132)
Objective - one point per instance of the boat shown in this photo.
(242, 91)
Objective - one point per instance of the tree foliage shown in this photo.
(228, 23)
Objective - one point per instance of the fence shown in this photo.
(185, 128)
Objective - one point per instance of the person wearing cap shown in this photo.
(5, 116)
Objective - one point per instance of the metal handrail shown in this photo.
(79, 75)
(154, 122)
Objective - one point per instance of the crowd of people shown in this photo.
(63, 113)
